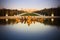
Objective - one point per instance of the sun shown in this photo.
(29, 10)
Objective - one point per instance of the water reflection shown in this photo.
(29, 20)
(30, 28)
(52, 19)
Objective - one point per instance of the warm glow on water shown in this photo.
(29, 28)
(33, 28)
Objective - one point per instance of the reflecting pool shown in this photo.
(30, 28)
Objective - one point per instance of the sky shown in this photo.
(29, 4)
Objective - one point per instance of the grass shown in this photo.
(29, 14)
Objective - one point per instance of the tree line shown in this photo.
(10, 12)
(48, 12)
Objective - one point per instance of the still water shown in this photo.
(30, 29)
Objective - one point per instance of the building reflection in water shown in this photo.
(52, 19)
(6, 20)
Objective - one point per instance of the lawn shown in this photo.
(29, 14)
